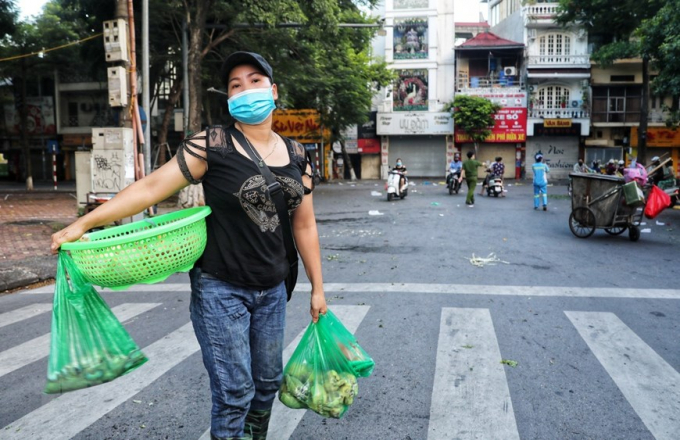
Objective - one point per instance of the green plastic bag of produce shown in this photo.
(319, 376)
(359, 360)
(89, 346)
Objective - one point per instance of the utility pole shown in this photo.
(122, 12)
(145, 86)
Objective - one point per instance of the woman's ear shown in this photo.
(275, 92)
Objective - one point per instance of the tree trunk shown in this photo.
(23, 113)
(348, 163)
(644, 113)
(175, 93)
(193, 194)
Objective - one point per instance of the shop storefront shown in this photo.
(506, 140)
(304, 127)
(419, 139)
(661, 141)
(368, 145)
(558, 140)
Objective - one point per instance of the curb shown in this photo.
(15, 274)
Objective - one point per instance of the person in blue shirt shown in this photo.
(456, 165)
(540, 171)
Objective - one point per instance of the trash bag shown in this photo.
(89, 346)
(359, 360)
(319, 376)
(657, 201)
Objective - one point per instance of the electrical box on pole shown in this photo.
(118, 86)
(116, 40)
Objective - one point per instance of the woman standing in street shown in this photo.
(238, 296)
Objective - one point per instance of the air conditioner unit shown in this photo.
(510, 71)
(532, 34)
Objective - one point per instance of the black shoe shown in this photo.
(545, 208)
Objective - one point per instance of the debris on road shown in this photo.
(376, 194)
(375, 212)
(491, 260)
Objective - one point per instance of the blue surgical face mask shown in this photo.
(252, 106)
(398, 164)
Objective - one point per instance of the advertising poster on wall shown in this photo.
(410, 91)
(40, 117)
(410, 39)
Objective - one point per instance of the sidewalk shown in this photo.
(27, 222)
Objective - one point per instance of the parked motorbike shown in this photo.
(392, 187)
(453, 182)
(495, 187)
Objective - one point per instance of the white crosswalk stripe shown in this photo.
(71, 413)
(23, 313)
(35, 349)
(470, 381)
(470, 396)
(284, 420)
(651, 386)
(446, 289)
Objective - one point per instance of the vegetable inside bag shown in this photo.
(359, 360)
(319, 375)
(89, 346)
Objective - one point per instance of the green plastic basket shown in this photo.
(143, 252)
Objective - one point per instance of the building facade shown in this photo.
(410, 120)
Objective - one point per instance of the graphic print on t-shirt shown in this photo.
(257, 204)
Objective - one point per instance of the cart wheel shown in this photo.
(617, 230)
(582, 222)
(634, 233)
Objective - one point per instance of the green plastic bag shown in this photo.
(319, 375)
(89, 346)
(359, 360)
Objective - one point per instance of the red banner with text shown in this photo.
(510, 126)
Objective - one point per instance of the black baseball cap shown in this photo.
(240, 58)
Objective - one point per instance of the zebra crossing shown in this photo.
(470, 397)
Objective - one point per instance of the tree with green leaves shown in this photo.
(659, 39)
(612, 24)
(8, 17)
(30, 53)
(473, 115)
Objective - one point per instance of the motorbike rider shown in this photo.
(455, 168)
(401, 168)
(581, 167)
(497, 170)
(621, 167)
(656, 176)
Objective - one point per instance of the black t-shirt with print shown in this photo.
(245, 242)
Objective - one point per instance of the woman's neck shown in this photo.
(260, 134)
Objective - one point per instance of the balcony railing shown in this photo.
(563, 60)
(508, 83)
(561, 113)
(541, 11)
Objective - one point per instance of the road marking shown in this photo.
(470, 395)
(27, 312)
(284, 420)
(70, 413)
(164, 287)
(35, 349)
(649, 383)
(448, 289)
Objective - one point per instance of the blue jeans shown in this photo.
(240, 331)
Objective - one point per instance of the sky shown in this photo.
(468, 10)
(29, 7)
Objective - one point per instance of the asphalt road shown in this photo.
(587, 330)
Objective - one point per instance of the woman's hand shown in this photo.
(317, 305)
(70, 233)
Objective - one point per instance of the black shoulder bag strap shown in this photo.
(276, 193)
